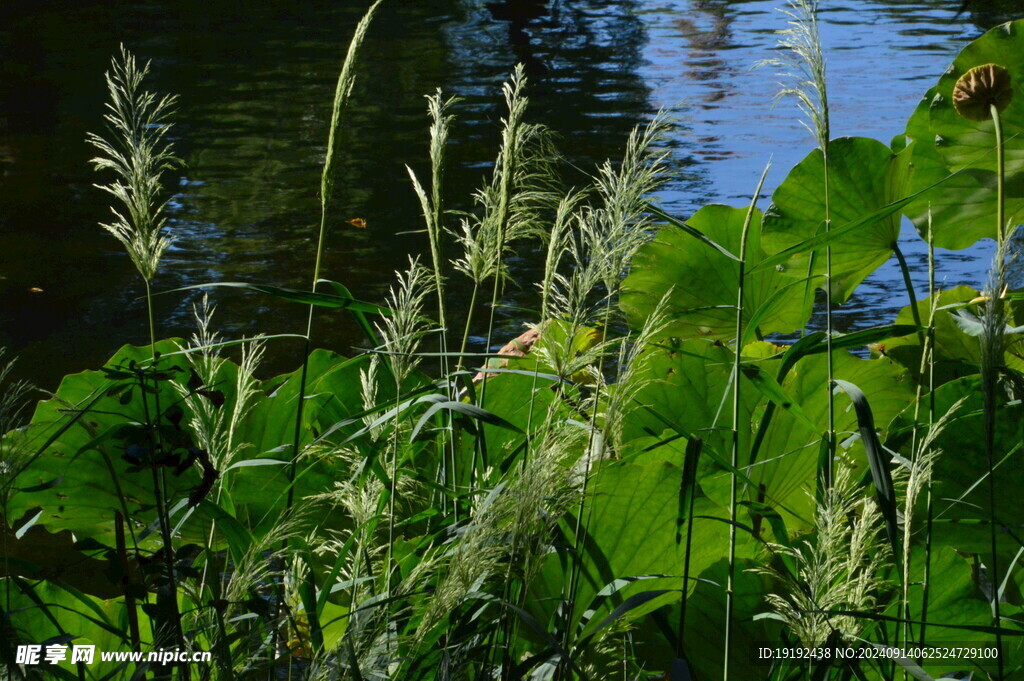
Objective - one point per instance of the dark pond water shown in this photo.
(255, 82)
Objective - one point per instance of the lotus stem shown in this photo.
(1000, 174)
(911, 294)
(992, 352)
(981, 93)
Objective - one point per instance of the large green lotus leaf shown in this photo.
(957, 354)
(704, 281)
(631, 532)
(81, 478)
(964, 208)
(863, 176)
(686, 387)
(520, 399)
(705, 623)
(59, 612)
(333, 396)
(786, 468)
(38, 554)
(954, 598)
(960, 474)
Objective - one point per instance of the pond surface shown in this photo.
(255, 82)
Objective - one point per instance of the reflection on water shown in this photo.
(255, 81)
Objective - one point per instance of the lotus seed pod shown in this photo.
(981, 88)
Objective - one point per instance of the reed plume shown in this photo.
(840, 569)
(138, 152)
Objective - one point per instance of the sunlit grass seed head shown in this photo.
(402, 331)
(620, 228)
(512, 201)
(980, 89)
(995, 313)
(840, 568)
(801, 67)
(138, 152)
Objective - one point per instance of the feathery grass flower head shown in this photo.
(802, 67)
(402, 331)
(980, 89)
(513, 200)
(138, 153)
(841, 567)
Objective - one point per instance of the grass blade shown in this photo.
(878, 460)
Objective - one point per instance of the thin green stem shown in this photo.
(828, 473)
(460, 366)
(991, 357)
(164, 523)
(149, 310)
(1000, 175)
(929, 356)
(341, 96)
(924, 337)
(582, 528)
(909, 284)
(159, 487)
(735, 456)
(434, 215)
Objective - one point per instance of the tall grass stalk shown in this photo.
(802, 64)
(735, 454)
(932, 296)
(401, 334)
(510, 205)
(558, 245)
(217, 431)
(432, 205)
(505, 175)
(925, 369)
(342, 94)
(993, 347)
(609, 237)
(138, 152)
(433, 216)
(840, 569)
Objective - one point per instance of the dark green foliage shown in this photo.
(581, 510)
